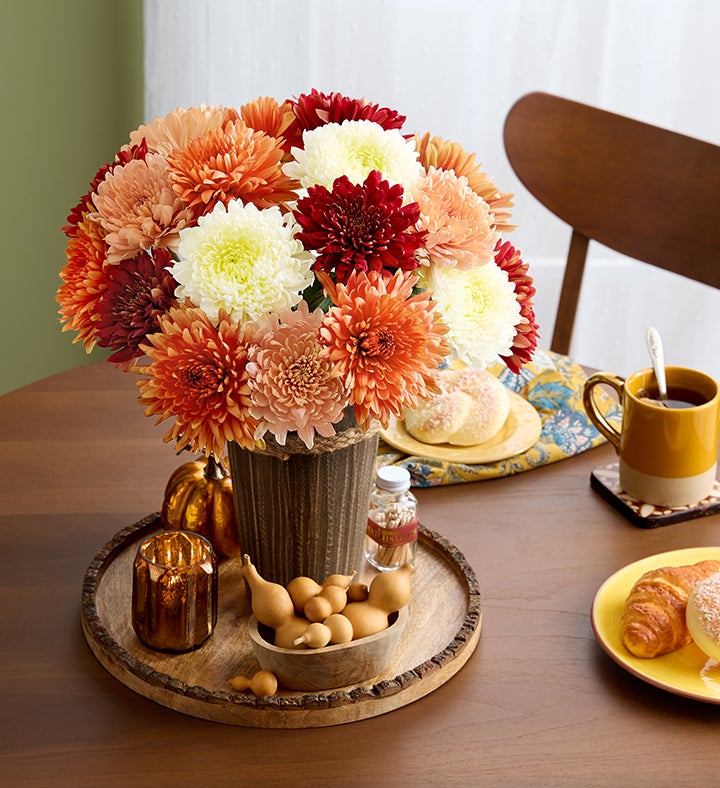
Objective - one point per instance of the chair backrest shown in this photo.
(646, 192)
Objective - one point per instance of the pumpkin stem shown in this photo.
(214, 468)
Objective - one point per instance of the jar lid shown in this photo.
(393, 478)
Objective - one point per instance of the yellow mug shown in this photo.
(668, 455)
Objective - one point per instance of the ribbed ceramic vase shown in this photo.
(304, 511)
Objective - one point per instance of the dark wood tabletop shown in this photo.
(539, 703)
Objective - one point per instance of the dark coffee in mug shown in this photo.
(677, 397)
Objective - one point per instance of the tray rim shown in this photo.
(309, 709)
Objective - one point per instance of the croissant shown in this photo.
(653, 620)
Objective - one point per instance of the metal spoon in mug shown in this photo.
(655, 348)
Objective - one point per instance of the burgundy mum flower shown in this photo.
(363, 227)
(316, 109)
(526, 332)
(138, 293)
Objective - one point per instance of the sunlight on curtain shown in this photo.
(455, 67)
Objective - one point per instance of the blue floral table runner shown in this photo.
(553, 384)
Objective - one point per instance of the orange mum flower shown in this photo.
(445, 155)
(277, 120)
(231, 162)
(386, 342)
(84, 282)
(198, 377)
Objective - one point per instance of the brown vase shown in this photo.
(304, 511)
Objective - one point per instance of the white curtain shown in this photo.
(455, 67)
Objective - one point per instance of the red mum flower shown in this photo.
(316, 109)
(138, 292)
(526, 332)
(363, 227)
(86, 204)
(198, 377)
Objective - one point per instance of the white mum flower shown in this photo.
(480, 309)
(354, 148)
(243, 260)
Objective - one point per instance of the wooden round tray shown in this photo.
(443, 629)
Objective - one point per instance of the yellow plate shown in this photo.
(688, 671)
(521, 430)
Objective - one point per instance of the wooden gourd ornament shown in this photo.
(262, 683)
(198, 497)
(388, 592)
(302, 589)
(270, 602)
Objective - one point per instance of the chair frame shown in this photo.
(646, 192)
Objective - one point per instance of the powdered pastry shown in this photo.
(472, 407)
(703, 616)
(435, 420)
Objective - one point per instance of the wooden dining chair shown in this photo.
(646, 192)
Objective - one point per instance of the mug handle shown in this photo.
(593, 411)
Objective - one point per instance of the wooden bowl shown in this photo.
(309, 669)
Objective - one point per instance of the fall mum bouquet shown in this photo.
(263, 269)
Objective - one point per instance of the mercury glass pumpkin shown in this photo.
(199, 498)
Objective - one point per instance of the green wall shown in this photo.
(72, 90)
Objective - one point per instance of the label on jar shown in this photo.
(392, 537)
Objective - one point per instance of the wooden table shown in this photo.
(539, 703)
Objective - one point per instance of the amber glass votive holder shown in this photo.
(175, 591)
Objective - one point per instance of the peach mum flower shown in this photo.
(459, 225)
(292, 387)
(198, 376)
(85, 206)
(232, 162)
(180, 126)
(386, 342)
(84, 282)
(445, 155)
(137, 208)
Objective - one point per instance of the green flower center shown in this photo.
(478, 297)
(371, 159)
(236, 256)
